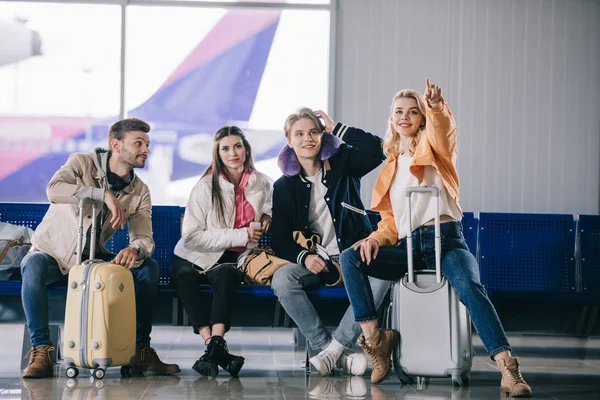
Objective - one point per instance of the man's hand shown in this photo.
(315, 264)
(126, 257)
(329, 123)
(115, 207)
(369, 248)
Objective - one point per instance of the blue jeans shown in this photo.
(40, 269)
(458, 266)
(289, 285)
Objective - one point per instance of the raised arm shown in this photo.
(441, 127)
(366, 151)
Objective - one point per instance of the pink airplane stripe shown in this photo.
(62, 128)
(233, 28)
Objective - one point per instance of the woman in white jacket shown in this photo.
(216, 232)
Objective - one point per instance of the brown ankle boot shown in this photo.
(512, 383)
(146, 360)
(40, 363)
(379, 347)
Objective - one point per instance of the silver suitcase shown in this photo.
(434, 326)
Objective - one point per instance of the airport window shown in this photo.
(187, 71)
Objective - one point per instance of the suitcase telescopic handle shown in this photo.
(80, 233)
(438, 241)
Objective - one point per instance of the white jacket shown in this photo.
(204, 238)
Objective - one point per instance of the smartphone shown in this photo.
(254, 225)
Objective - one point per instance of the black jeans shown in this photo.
(224, 277)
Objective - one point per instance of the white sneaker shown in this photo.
(324, 362)
(323, 388)
(352, 363)
(354, 386)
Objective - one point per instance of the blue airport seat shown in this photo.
(166, 225)
(589, 254)
(527, 252)
(24, 214)
(470, 231)
(166, 228)
(266, 241)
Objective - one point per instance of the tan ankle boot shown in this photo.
(379, 347)
(512, 383)
(40, 363)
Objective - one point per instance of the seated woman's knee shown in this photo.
(228, 272)
(350, 258)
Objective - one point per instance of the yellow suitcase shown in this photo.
(99, 330)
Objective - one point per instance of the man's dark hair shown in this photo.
(120, 128)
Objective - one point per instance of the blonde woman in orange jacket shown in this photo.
(421, 149)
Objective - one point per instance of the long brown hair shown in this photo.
(217, 167)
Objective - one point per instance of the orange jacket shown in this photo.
(437, 148)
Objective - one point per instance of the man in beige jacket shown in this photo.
(105, 176)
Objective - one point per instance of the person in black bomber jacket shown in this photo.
(322, 167)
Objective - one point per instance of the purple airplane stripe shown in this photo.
(219, 91)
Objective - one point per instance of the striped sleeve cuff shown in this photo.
(340, 130)
(302, 256)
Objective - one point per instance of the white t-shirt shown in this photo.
(319, 217)
(423, 206)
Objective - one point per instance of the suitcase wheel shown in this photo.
(71, 383)
(126, 371)
(72, 372)
(458, 381)
(98, 373)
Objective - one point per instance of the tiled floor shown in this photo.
(556, 368)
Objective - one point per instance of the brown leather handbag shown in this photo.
(260, 265)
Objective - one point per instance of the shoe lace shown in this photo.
(212, 349)
(367, 347)
(515, 374)
(38, 352)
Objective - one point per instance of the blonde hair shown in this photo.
(301, 113)
(392, 142)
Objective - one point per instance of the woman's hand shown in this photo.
(254, 234)
(433, 93)
(265, 222)
(329, 123)
(369, 248)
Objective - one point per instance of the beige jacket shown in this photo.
(84, 175)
